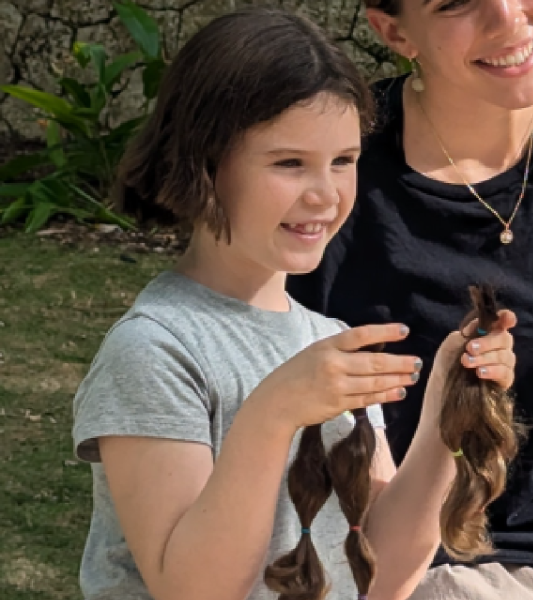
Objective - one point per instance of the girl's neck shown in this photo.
(482, 140)
(218, 267)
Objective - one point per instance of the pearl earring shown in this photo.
(416, 83)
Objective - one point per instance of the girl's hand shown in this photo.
(491, 355)
(335, 375)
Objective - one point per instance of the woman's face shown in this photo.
(478, 48)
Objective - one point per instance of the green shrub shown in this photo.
(81, 153)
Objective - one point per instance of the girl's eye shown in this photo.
(290, 163)
(452, 5)
(344, 160)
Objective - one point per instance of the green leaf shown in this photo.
(403, 64)
(104, 213)
(95, 53)
(124, 131)
(51, 190)
(51, 104)
(98, 99)
(152, 78)
(15, 210)
(14, 190)
(76, 91)
(79, 213)
(54, 143)
(98, 56)
(143, 29)
(81, 53)
(107, 216)
(87, 113)
(23, 163)
(115, 69)
(39, 216)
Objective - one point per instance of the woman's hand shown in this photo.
(490, 355)
(334, 375)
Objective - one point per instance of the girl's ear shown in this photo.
(391, 33)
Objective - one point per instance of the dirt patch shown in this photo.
(26, 575)
(59, 376)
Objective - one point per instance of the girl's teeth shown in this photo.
(511, 60)
(307, 228)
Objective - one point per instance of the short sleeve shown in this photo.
(143, 382)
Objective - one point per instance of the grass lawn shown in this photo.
(56, 303)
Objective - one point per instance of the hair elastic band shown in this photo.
(355, 528)
(458, 453)
(362, 597)
(305, 530)
(481, 331)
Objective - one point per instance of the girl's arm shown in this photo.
(201, 531)
(195, 531)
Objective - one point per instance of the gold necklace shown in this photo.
(506, 236)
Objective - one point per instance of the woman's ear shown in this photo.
(391, 33)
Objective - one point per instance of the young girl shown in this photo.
(192, 408)
(456, 207)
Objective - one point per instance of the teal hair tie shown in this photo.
(305, 530)
(481, 331)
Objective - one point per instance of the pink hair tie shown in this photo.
(355, 528)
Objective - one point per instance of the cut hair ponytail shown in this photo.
(300, 574)
(349, 463)
(477, 425)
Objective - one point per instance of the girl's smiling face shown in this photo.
(289, 184)
(479, 48)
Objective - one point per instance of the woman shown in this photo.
(444, 201)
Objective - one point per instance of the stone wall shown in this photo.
(37, 36)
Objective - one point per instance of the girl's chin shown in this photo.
(302, 267)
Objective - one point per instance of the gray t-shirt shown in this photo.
(179, 365)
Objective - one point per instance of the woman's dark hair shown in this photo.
(477, 422)
(242, 69)
(390, 7)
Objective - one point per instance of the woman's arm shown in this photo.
(403, 521)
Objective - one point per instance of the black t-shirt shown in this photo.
(407, 254)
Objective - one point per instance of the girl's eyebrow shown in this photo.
(355, 149)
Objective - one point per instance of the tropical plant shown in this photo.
(78, 163)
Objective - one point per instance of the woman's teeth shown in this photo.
(511, 60)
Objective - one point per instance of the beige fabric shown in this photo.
(491, 581)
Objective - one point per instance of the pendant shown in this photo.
(506, 236)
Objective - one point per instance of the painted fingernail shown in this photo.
(418, 364)
(481, 331)
(415, 376)
(471, 359)
(404, 330)
(482, 371)
(402, 393)
(475, 346)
